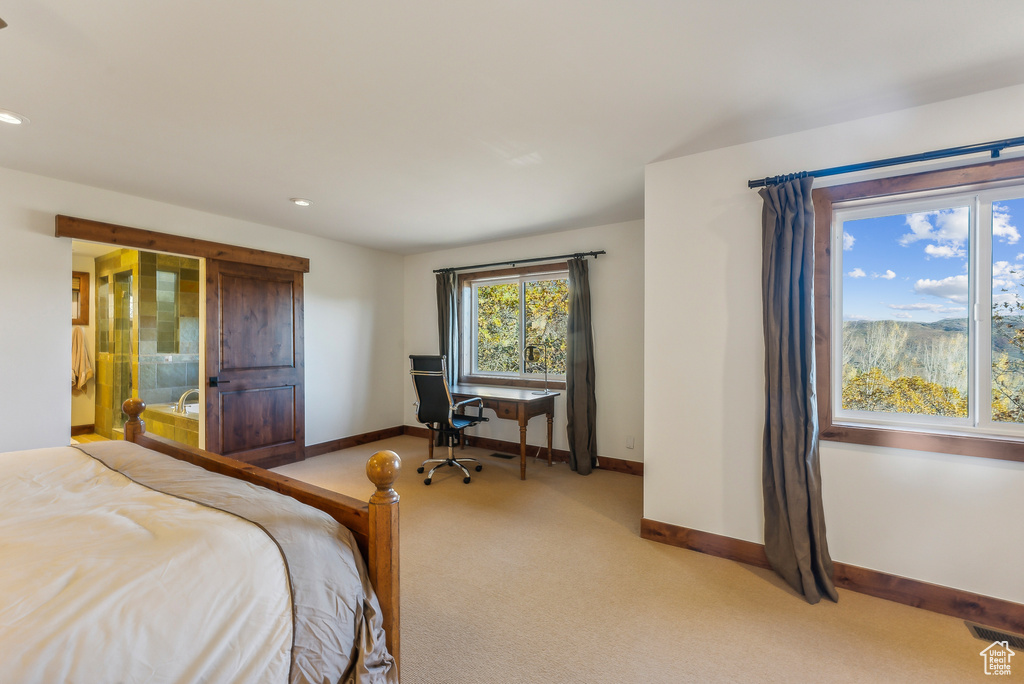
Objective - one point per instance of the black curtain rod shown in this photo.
(994, 148)
(577, 255)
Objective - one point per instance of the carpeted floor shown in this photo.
(547, 580)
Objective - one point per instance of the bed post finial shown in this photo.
(382, 469)
(134, 426)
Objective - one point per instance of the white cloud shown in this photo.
(947, 226)
(1011, 299)
(946, 229)
(888, 275)
(944, 251)
(856, 318)
(857, 273)
(920, 228)
(1003, 284)
(1005, 280)
(953, 288)
(1008, 270)
(848, 241)
(934, 308)
(953, 224)
(1001, 226)
(903, 314)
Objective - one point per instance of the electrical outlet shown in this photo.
(629, 442)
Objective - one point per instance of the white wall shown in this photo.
(83, 404)
(353, 310)
(933, 517)
(616, 286)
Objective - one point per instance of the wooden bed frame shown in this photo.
(374, 524)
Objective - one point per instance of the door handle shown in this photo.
(215, 381)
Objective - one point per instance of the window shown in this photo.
(510, 312)
(919, 311)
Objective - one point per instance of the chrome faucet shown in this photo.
(181, 401)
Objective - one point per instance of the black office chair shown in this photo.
(436, 410)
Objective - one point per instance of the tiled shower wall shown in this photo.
(168, 327)
(116, 364)
(147, 331)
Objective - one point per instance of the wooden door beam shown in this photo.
(137, 238)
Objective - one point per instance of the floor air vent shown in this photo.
(992, 635)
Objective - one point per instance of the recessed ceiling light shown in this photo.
(7, 116)
(301, 202)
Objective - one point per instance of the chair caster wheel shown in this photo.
(419, 470)
(466, 480)
(427, 481)
(479, 468)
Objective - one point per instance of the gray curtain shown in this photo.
(794, 521)
(448, 323)
(580, 401)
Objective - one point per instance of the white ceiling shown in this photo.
(91, 249)
(420, 125)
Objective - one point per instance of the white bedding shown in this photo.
(80, 576)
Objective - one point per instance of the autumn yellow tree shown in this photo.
(1008, 366)
(875, 391)
(545, 313)
(497, 327)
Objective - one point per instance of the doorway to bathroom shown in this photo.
(251, 367)
(145, 337)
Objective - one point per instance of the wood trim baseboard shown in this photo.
(415, 431)
(985, 610)
(507, 447)
(82, 429)
(616, 465)
(747, 552)
(500, 445)
(620, 465)
(354, 440)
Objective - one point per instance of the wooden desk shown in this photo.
(513, 403)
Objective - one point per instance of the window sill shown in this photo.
(495, 381)
(1001, 448)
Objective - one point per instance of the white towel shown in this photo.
(81, 366)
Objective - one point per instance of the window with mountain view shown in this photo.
(505, 313)
(928, 333)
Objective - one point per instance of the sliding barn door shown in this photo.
(254, 366)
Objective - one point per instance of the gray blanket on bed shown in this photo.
(338, 634)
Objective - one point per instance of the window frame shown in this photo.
(465, 282)
(80, 286)
(925, 439)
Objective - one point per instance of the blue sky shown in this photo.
(914, 267)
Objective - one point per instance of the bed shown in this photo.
(121, 564)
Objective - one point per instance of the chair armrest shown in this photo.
(478, 400)
(472, 400)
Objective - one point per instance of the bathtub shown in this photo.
(165, 421)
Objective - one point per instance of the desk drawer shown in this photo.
(506, 409)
